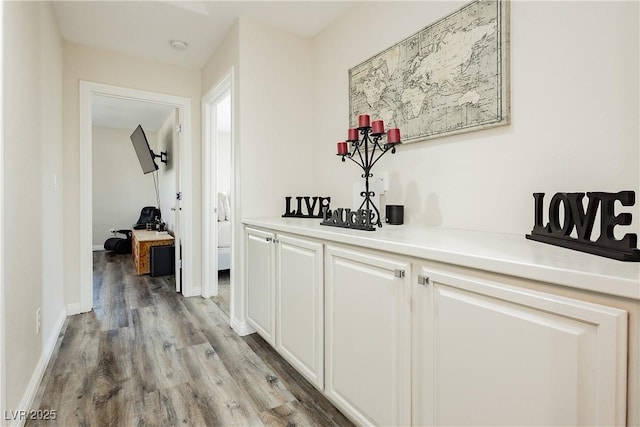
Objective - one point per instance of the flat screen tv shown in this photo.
(145, 155)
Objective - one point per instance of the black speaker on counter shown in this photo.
(395, 214)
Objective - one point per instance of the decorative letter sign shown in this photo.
(557, 230)
(346, 218)
(310, 204)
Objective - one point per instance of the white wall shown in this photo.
(273, 110)
(575, 115)
(226, 55)
(32, 142)
(167, 171)
(52, 172)
(95, 65)
(120, 189)
(276, 116)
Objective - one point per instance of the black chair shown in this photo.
(121, 245)
(148, 214)
(118, 244)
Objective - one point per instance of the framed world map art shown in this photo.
(450, 77)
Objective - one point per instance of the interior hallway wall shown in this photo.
(575, 115)
(276, 115)
(33, 189)
(95, 65)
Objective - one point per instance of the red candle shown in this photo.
(342, 148)
(363, 121)
(378, 127)
(353, 134)
(393, 136)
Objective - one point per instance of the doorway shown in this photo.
(184, 245)
(219, 195)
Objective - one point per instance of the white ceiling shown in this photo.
(127, 114)
(145, 28)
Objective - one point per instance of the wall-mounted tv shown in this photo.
(143, 150)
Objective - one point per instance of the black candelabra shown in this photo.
(365, 152)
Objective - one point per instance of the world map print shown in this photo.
(448, 78)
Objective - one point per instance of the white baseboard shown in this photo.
(50, 345)
(191, 291)
(241, 328)
(98, 247)
(38, 372)
(73, 309)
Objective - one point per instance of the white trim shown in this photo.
(73, 309)
(209, 158)
(237, 312)
(50, 345)
(241, 329)
(38, 372)
(87, 90)
(98, 247)
(189, 287)
(86, 208)
(3, 385)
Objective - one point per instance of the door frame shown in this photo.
(3, 385)
(224, 86)
(87, 91)
(209, 184)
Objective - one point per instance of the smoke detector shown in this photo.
(178, 44)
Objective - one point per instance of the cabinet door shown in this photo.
(368, 349)
(260, 281)
(492, 354)
(300, 305)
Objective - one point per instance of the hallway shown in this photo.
(148, 356)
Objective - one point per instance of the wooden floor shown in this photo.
(223, 298)
(148, 356)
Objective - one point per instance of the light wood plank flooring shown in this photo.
(148, 356)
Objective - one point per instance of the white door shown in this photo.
(300, 306)
(368, 330)
(177, 208)
(490, 354)
(260, 281)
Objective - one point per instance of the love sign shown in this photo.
(557, 231)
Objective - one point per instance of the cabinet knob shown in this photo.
(269, 239)
(423, 280)
(398, 273)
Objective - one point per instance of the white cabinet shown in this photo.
(300, 306)
(367, 337)
(285, 301)
(486, 353)
(260, 282)
(466, 347)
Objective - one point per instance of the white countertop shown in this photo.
(500, 253)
